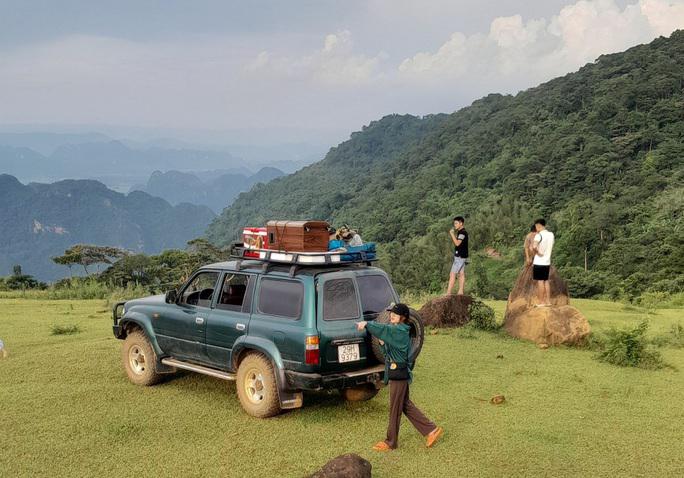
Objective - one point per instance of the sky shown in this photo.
(293, 70)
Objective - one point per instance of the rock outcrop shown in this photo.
(345, 466)
(558, 324)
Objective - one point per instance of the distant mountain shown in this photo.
(217, 190)
(39, 221)
(46, 143)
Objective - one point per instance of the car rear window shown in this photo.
(282, 298)
(339, 300)
(376, 293)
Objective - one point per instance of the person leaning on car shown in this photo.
(396, 342)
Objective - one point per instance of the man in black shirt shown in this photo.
(459, 237)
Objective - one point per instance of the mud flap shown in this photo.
(288, 400)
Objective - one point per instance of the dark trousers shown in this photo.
(399, 402)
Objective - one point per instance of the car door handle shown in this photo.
(240, 326)
(199, 320)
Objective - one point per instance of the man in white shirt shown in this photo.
(541, 264)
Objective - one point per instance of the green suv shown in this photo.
(277, 330)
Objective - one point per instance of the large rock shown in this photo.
(345, 466)
(3, 350)
(446, 311)
(558, 324)
(549, 325)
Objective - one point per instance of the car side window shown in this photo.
(200, 290)
(339, 300)
(376, 293)
(233, 292)
(281, 298)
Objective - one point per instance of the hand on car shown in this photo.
(361, 325)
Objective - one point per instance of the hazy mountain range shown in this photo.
(215, 189)
(121, 164)
(39, 221)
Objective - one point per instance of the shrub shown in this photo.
(65, 329)
(482, 316)
(629, 348)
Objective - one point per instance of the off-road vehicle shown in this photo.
(278, 326)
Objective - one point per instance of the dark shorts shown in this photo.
(540, 272)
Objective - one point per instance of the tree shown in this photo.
(87, 254)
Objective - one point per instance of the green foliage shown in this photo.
(598, 152)
(20, 282)
(482, 316)
(65, 329)
(629, 348)
(88, 254)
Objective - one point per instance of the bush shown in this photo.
(65, 329)
(482, 316)
(629, 348)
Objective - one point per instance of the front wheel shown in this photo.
(256, 386)
(139, 359)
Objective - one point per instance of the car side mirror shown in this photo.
(171, 297)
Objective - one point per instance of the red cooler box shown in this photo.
(254, 238)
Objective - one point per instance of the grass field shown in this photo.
(67, 409)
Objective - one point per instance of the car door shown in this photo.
(229, 319)
(180, 329)
(343, 348)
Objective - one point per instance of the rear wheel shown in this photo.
(256, 386)
(139, 359)
(359, 394)
(417, 333)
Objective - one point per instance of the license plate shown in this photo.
(348, 353)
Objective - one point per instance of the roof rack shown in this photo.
(328, 258)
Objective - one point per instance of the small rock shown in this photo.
(350, 465)
(497, 400)
(543, 346)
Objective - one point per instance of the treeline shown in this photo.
(599, 153)
(124, 274)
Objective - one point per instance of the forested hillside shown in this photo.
(600, 152)
(40, 221)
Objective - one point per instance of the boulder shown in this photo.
(524, 293)
(446, 311)
(549, 325)
(558, 324)
(345, 466)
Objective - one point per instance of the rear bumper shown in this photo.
(315, 381)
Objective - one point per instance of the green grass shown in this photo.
(67, 409)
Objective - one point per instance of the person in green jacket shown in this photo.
(396, 342)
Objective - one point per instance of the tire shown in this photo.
(359, 394)
(417, 333)
(139, 359)
(256, 386)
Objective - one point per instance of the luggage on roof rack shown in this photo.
(305, 236)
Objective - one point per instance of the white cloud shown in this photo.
(540, 49)
(335, 64)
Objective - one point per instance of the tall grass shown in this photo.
(80, 290)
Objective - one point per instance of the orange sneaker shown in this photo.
(434, 436)
(381, 446)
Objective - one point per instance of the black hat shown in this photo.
(400, 309)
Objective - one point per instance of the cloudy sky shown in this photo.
(294, 69)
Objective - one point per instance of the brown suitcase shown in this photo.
(298, 236)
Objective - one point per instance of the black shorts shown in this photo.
(540, 272)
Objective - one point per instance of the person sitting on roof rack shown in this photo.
(349, 236)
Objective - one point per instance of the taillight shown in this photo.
(313, 354)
